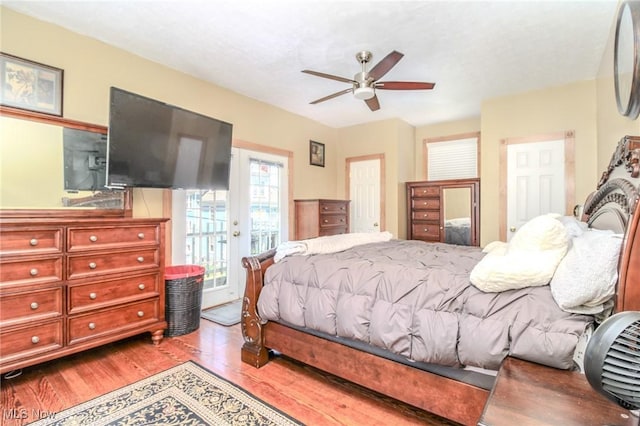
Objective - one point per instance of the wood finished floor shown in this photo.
(306, 394)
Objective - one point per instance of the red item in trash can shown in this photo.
(182, 271)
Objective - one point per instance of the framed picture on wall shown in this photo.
(30, 86)
(316, 153)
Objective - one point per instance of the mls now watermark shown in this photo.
(25, 413)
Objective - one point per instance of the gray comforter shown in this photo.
(415, 299)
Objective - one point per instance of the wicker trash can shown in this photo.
(183, 297)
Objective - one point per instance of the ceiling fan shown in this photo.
(365, 83)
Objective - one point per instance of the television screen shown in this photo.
(155, 145)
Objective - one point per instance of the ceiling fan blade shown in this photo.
(373, 103)
(334, 95)
(403, 85)
(385, 65)
(329, 76)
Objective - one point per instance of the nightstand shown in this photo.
(526, 394)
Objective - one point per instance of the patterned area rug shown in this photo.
(184, 395)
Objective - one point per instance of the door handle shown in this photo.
(236, 233)
(512, 229)
(375, 224)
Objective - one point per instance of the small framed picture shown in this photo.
(316, 153)
(30, 86)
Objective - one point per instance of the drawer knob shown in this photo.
(325, 208)
(92, 326)
(34, 305)
(33, 242)
(93, 238)
(33, 272)
(326, 221)
(140, 314)
(141, 236)
(141, 286)
(35, 339)
(426, 229)
(140, 259)
(341, 207)
(341, 220)
(425, 203)
(93, 265)
(93, 296)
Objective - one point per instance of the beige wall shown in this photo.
(91, 67)
(394, 139)
(571, 107)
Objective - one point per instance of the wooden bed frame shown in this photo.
(613, 205)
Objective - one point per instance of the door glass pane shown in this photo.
(207, 235)
(265, 199)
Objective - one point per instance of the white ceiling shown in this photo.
(472, 50)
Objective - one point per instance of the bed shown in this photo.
(436, 375)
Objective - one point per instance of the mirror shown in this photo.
(460, 213)
(627, 60)
(52, 163)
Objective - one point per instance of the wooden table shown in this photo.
(531, 394)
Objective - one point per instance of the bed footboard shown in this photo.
(253, 350)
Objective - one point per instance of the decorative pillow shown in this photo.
(530, 258)
(496, 246)
(586, 278)
(573, 226)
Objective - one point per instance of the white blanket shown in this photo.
(328, 244)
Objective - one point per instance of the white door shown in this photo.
(215, 229)
(364, 192)
(535, 181)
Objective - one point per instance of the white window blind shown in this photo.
(455, 159)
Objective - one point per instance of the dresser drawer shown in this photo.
(336, 230)
(30, 341)
(425, 203)
(105, 263)
(425, 191)
(30, 271)
(426, 232)
(16, 308)
(110, 292)
(332, 220)
(30, 241)
(428, 215)
(332, 207)
(83, 327)
(85, 238)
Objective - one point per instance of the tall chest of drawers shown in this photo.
(318, 218)
(424, 211)
(70, 285)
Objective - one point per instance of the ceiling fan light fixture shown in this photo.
(364, 93)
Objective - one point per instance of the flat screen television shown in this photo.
(152, 144)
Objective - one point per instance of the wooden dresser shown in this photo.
(67, 285)
(434, 209)
(317, 218)
(423, 199)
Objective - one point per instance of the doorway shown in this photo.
(365, 189)
(215, 229)
(537, 176)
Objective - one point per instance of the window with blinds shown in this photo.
(452, 159)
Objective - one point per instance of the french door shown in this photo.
(221, 227)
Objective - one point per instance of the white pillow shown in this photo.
(530, 258)
(586, 278)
